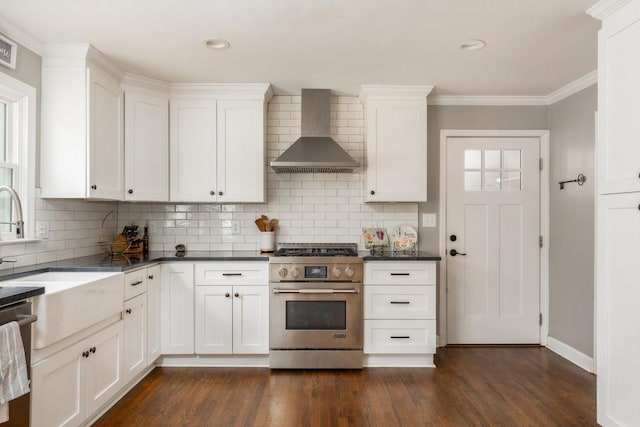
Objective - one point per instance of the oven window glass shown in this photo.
(317, 315)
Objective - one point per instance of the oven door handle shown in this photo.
(316, 291)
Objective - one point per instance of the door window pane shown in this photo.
(491, 181)
(511, 159)
(472, 159)
(472, 181)
(511, 181)
(492, 159)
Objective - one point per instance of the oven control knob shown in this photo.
(282, 272)
(349, 272)
(336, 272)
(295, 272)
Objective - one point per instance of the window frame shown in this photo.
(21, 134)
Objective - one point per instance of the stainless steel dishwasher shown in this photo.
(19, 409)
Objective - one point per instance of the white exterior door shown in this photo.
(493, 224)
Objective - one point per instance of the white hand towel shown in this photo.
(13, 365)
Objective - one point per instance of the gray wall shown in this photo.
(571, 242)
(465, 117)
(29, 70)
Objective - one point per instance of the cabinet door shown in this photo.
(213, 320)
(241, 151)
(104, 366)
(58, 389)
(250, 319)
(618, 305)
(193, 151)
(153, 313)
(176, 299)
(146, 142)
(106, 147)
(135, 336)
(396, 147)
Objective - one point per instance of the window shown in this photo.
(492, 170)
(17, 154)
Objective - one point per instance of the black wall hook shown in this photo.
(580, 180)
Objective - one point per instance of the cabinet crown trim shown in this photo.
(78, 54)
(136, 81)
(605, 8)
(256, 91)
(393, 91)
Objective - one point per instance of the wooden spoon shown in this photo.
(260, 224)
(273, 224)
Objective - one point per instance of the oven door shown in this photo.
(307, 315)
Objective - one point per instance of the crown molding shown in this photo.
(573, 87)
(393, 91)
(257, 91)
(78, 54)
(487, 100)
(136, 81)
(605, 8)
(20, 36)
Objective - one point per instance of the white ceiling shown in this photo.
(533, 46)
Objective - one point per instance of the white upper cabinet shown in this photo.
(82, 149)
(396, 143)
(146, 139)
(217, 143)
(618, 147)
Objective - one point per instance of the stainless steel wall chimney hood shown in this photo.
(315, 151)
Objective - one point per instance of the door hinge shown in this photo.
(540, 241)
(541, 163)
(540, 319)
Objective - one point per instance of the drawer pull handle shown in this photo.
(136, 283)
(401, 274)
(232, 274)
(400, 337)
(399, 302)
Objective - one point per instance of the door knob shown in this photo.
(453, 237)
(453, 252)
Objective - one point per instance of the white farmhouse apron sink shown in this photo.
(72, 301)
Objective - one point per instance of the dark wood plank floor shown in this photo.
(493, 386)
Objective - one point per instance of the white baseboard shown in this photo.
(571, 354)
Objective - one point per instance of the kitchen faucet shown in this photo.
(19, 222)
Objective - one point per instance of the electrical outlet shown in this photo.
(429, 220)
(42, 230)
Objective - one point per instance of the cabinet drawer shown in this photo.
(135, 283)
(400, 273)
(400, 302)
(399, 336)
(232, 273)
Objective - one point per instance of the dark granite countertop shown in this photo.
(398, 256)
(11, 294)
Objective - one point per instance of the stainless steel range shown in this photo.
(316, 319)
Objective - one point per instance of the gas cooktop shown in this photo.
(317, 249)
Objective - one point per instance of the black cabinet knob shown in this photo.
(92, 349)
(226, 295)
(372, 192)
(128, 310)
(236, 295)
(213, 193)
(220, 193)
(85, 354)
(130, 191)
(94, 187)
(150, 277)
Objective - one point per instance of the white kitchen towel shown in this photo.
(13, 364)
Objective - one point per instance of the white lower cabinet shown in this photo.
(400, 308)
(177, 306)
(135, 336)
(69, 386)
(153, 314)
(232, 319)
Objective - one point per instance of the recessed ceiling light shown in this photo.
(216, 43)
(472, 44)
